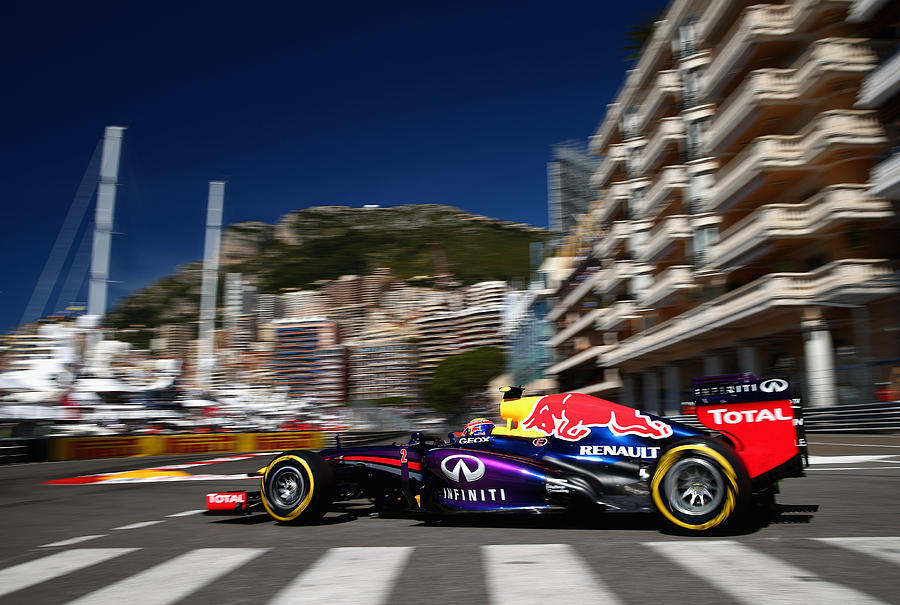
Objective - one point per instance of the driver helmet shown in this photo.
(478, 426)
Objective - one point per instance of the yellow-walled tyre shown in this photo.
(699, 485)
(297, 486)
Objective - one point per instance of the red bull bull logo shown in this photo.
(571, 416)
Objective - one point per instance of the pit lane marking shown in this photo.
(72, 541)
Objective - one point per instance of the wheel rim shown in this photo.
(287, 486)
(694, 486)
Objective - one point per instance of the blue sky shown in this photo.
(295, 105)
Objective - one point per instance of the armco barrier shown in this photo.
(80, 448)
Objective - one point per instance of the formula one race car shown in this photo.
(562, 452)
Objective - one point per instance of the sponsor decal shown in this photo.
(539, 442)
(189, 444)
(474, 495)
(461, 466)
(289, 441)
(571, 416)
(235, 498)
(471, 440)
(773, 385)
(619, 450)
(103, 447)
(726, 416)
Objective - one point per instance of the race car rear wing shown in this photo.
(760, 418)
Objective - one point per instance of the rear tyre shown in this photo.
(297, 486)
(699, 485)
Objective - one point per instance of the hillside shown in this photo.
(326, 242)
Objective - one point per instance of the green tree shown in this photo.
(640, 32)
(464, 375)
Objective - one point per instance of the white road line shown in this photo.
(139, 525)
(187, 513)
(753, 577)
(46, 568)
(886, 548)
(545, 569)
(848, 459)
(173, 580)
(72, 541)
(348, 575)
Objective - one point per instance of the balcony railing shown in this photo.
(834, 205)
(674, 279)
(616, 236)
(879, 85)
(666, 87)
(584, 322)
(670, 131)
(615, 157)
(885, 178)
(614, 276)
(865, 278)
(669, 181)
(798, 152)
(843, 56)
(673, 229)
(616, 196)
(615, 315)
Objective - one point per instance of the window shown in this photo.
(704, 239)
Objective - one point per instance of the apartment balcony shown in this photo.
(714, 20)
(613, 242)
(669, 134)
(614, 276)
(768, 225)
(588, 355)
(881, 85)
(606, 130)
(616, 315)
(613, 163)
(614, 203)
(770, 94)
(575, 295)
(669, 183)
(885, 178)
(666, 90)
(673, 230)
(674, 280)
(759, 25)
(741, 312)
(584, 322)
(789, 156)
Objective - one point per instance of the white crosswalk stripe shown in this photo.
(753, 577)
(886, 548)
(52, 566)
(348, 575)
(173, 580)
(548, 567)
(372, 574)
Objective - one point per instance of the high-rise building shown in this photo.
(568, 186)
(307, 358)
(384, 363)
(737, 227)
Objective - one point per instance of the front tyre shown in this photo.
(698, 486)
(297, 486)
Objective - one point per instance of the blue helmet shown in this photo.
(478, 426)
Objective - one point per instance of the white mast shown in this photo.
(103, 220)
(205, 350)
